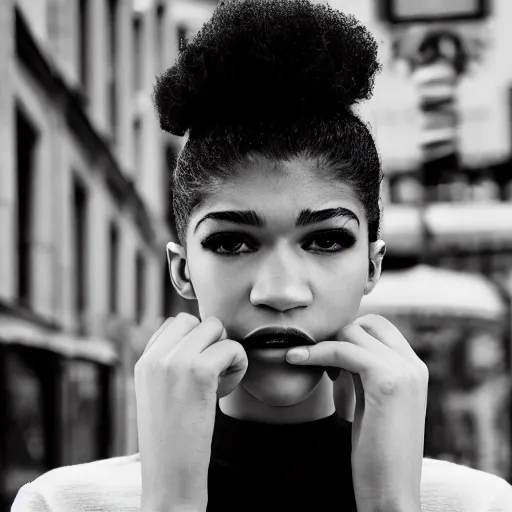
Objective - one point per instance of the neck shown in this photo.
(240, 404)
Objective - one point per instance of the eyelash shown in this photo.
(344, 238)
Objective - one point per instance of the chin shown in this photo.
(282, 386)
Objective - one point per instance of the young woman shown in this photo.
(276, 199)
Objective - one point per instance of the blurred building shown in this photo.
(441, 117)
(468, 201)
(85, 216)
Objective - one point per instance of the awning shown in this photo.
(484, 221)
(14, 330)
(448, 223)
(426, 290)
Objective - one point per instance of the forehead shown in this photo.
(278, 187)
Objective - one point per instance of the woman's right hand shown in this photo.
(185, 367)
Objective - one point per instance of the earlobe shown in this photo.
(178, 270)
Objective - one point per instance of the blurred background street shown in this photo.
(85, 215)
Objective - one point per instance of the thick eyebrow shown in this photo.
(305, 218)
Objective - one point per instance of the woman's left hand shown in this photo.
(391, 384)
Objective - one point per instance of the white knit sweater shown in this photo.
(114, 485)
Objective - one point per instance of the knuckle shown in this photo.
(175, 366)
(404, 379)
(388, 385)
(215, 323)
(373, 320)
(423, 372)
(171, 370)
(137, 369)
(188, 319)
(237, 350)
(414, 376)
(240, 353)
(392, 382)
(352, 329)
(144, 369)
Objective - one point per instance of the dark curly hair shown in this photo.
(277, 78)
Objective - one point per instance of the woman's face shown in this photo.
(296, 255)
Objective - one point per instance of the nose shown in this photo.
(281, 282)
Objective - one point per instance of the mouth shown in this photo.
(276, 337)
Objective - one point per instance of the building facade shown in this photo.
(84, 219)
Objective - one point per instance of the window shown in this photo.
(112, 65)
(137, 52)
(508, 191)
(83, 42)
(460, 189)
(137, 146)
(408, 190)
(160, 43)
(140, 289)
(500, 266)
(485, 189)
(403, 11)
(182, 34)
(80, 252)
(26, 140)
(85, 423)
(113, 268)
(29, 409)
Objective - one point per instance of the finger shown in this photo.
(359, 407)
(210, 330)
(224, 357)
(157, 333)
(383, 330)
(171, 334)
(340, 354)
(355, 334)
(344, 395)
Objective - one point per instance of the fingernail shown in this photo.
(297, 355)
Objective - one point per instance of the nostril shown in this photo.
(276, 309)
(265, 307)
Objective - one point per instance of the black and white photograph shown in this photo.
(255, 255)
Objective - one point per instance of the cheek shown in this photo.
(343, 285)
(218, 287)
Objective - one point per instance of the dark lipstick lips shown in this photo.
(276, 337)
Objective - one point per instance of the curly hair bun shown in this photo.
(258, 60)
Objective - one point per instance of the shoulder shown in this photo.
(446, 486)
(109, 485)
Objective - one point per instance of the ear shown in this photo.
(377, 252)
(178, 270)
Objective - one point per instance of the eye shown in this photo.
(229, 244)
(332, 241)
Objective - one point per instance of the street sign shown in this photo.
(414, 11)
